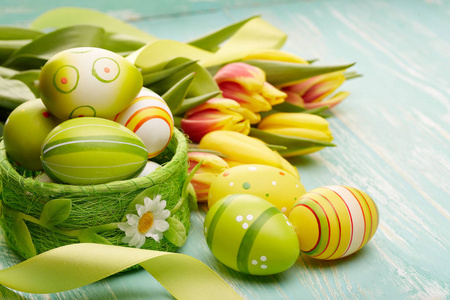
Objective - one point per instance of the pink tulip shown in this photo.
(217, 114)
(310, 93)
(212, 165)
(247, 85)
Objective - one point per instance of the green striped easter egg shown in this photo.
(89, 150)
(250, 235)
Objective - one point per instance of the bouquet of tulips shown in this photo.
(233, 92)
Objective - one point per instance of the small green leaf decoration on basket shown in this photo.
(55, 211)
(22, 236)
(90, 236)
(176, 234)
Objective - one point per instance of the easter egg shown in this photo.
(277, 186)
(250, 235)
(92, 151)
(151, 119)
(88, 82)
(334, 221)
(150, 167)
(25, 130)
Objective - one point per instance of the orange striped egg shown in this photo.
(150, 118)
(334, 221)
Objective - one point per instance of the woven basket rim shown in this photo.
(167, 169)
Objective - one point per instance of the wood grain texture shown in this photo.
(393, 138)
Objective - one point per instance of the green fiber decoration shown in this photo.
(37, 216)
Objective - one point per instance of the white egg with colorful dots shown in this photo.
(88, 82)
(149, 116)
(250, 235)
(269, 183)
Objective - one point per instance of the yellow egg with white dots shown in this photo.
(269, 183)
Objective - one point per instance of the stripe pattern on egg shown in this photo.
(250, 235)
(92, 151)
(334, 221)
(149, 116)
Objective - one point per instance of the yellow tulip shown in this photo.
(241, 149)
(300, 125)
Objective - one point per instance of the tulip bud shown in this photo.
(212, 165)
(241, 149)
(247, 85)
(217, 114)
(275, 55)
(306, 126)
(311, 92)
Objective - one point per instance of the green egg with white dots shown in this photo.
(250, 235)
(272, 184)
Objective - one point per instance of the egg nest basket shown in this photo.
(87, 213)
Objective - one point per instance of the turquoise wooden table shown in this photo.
(393, 138)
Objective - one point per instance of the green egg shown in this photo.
(250, 235)
(88, 82)
(92, 151)
(25, 130)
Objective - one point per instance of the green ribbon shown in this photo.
(76, 265)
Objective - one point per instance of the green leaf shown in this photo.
(56, 211)
(291, 143)
(256, 34)
(18, 33)
(175, 95)
(151, 77)
(22, 236)
(7, 72)
(189, 103)
(34, 55)
(30, 78)
(212, 41)
(89, 236)
(189, 178)
(69, 16)
(157, 52)
(121, 43)
(151, 192)
(203, 82)
(176, 234)
(282, 73)
(192, 195)
(13, 38)
(13, 93)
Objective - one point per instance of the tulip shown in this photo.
(247, 85)
(275, 55)
(241, 149)
(310, 93)
(217, 114)
(313, 128)
(211, 166)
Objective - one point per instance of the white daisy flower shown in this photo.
(150, 222)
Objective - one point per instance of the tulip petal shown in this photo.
(249, 77)
(253, 102)
(331, 102)
(275, 55)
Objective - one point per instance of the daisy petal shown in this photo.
(136, 239)
(133, 220)
(161, 225)
(123, 226)
(140, 209)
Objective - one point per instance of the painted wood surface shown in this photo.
(393, 138)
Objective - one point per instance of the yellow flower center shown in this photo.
(145, 222)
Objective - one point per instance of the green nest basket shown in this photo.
(38, 216)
